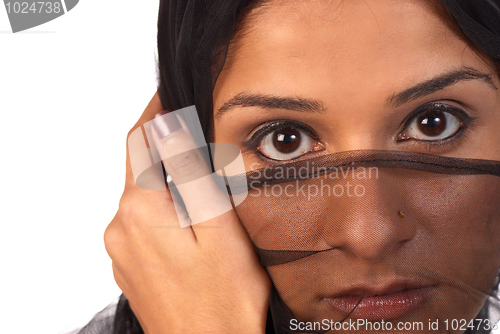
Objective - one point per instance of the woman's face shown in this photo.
(308, 78)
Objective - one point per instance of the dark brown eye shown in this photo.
(432, 123)
(288, 143)
(286, 140)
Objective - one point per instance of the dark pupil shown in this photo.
(432, 123)
(286, 140)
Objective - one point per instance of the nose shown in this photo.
(370, 223)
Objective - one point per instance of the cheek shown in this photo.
(280, 217)
(459, 240)
(460, 222)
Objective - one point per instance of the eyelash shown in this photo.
(251, 145)
(466, 120)
(449, 142)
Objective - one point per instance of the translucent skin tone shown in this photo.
(353, 56)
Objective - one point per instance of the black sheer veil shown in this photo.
(193, 39)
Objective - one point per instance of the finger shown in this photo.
(142, 170)
(143, 166)
(192, 176)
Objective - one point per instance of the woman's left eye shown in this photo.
(287, 142)
(434, 123)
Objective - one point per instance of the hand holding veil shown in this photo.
(183, 279)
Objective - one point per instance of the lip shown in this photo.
(387, 303)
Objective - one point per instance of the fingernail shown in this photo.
(165, 123)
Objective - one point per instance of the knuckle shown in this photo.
(140, 208)
(186, 164)
(129, 206)
(113, 238)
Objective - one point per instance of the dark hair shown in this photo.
(194, 35)
(193, 41)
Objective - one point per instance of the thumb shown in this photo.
(184, 161)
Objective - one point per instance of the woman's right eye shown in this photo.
(287, 143)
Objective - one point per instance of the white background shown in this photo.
(69, 92)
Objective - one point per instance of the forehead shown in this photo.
(313, 45)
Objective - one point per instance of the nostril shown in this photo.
(373, 233)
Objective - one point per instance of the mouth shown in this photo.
(387, 303)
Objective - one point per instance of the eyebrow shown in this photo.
(271, 102)
(439, 83)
